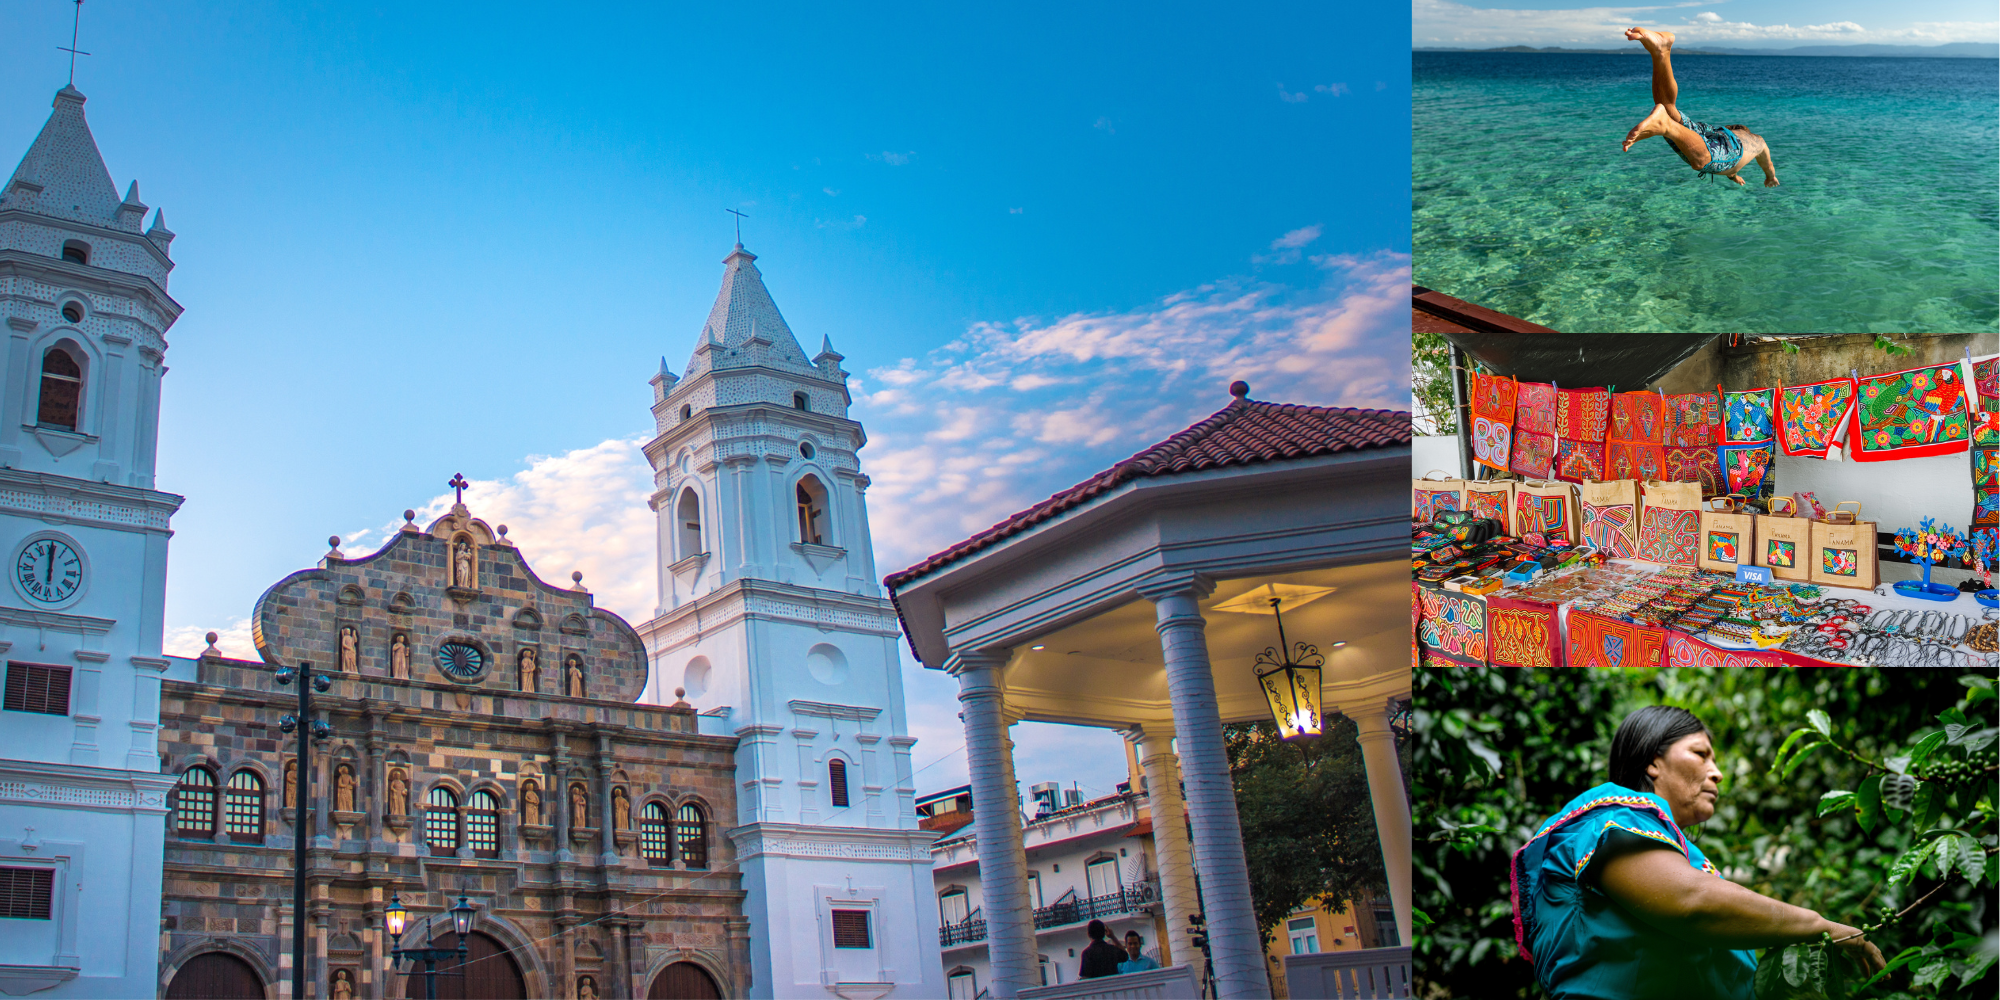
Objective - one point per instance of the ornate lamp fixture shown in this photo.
(397, 918)
(1289, 676)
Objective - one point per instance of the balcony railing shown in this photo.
(972, 928)
(1070, 909)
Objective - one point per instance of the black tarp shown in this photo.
(1628, 361)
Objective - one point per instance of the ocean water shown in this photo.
(1887, 220)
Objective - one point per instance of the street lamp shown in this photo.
(398, 919)
(319, 732)
(1290, 678)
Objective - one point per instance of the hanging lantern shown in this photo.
(1289, 675)
(461, 917)
(396, 916)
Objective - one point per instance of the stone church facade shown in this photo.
(486, 742)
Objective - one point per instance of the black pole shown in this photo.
(299, 834)
(430, 980)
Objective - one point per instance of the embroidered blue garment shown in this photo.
(1583, 945)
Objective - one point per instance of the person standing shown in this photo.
(1101, 958)
(1136, 959)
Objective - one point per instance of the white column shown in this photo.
(996, 821)
(1392, 805)
(1170, 839)
(1234, 942)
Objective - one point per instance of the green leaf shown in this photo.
(1795, 965)
(1925, 747)
(1870, 795)
(1932, 974)
(1970, 860)
(1928, 805)
(1836, 801)
(1820, 723)
(1785, 748)
(1906, 864)
(1799, 756)
(1419, 918)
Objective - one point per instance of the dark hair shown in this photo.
(1644, 735)
(1096, 930)
(1136, 934)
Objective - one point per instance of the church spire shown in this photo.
(744, 326)
(63, 175)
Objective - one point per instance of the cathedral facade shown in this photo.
(485, 744)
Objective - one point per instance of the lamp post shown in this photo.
(1290, 679)
(315, 731)
(398, 920)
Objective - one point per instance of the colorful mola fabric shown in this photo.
(1614, 529)
(1986, 476)
(1625, 460)
(1493, 397)
(1694, 420)
(1577, 461)
(1694, 465)
(1910, 414)
(1669, 536)
(1746, 466)
(1492, 443)
(1427, 503)
(1638, 418)
(1747, 416)
(1600, 641)
(1521, 633)
(1535, 408)
(1532, 455)
(1813, 418)
(1582, 414)
(1986, 378)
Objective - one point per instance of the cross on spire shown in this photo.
(739, 215)
(458, 483)
(75, 24)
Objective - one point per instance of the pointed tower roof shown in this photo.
(63, 175)
(744, 327)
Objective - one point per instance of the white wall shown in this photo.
(1427, 453)
(1894, 494)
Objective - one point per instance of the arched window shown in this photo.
(951, 907)
(686, 411)
(691, 832)
(194, 803)
(62, 389)
(836, 780)
(688, 515)
(76, 252)
(812, 511)
(243, 808)
(482, 825)
(655, 841)
(441, 821)
(799, 401)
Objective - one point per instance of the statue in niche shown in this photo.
(531, 804)
(586, 988)
(399, 657)
(462, 565)
(399, 793)
(342, 989)
(576, 676)
(621, 809)
(531, 674)
(579, 811)
(350, 649)
(343, 789)
(292, 783)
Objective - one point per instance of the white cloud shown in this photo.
(1444, 23)
(1013, 211)
(1336, 89)
(892, 159)
(1105, 125)
(831, 193)
(1291, 98)
(1296, 238)
(1708, 17)
(233, 638)
(1837, 27)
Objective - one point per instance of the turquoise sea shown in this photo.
(1887, 220)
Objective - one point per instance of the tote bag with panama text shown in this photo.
(1784, 541)
(1728, 536)
(1670, 523)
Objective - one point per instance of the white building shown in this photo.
(1087, 860)
(82, 802)
(772, 621)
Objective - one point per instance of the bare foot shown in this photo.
(1655, 40)
(1652, 125)
(1738, 180)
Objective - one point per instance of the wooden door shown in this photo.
(490, 973)
(215, 976)
(683, 981)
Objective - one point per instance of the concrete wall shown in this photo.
(1754, 366)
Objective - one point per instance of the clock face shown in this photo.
(460, 660)
(48, 571)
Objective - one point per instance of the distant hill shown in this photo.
(1952, 50)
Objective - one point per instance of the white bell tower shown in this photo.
(772, 619)
(83, 292)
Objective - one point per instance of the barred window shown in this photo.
(243, 808)
(441, 820)
(850, 929)
(25, 893)
(655, 844)
(194, 803)
(35, 687)
(691, 831)
(836, 779)
(482, 825)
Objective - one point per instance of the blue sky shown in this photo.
(425, 239)
(1774, 24)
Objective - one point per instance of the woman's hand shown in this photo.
(1849, 940)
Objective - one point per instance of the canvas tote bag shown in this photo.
(1670, 523)
(1843, 549)
(1433, 493)
(1609, 513)
(1547, 508)
(1492, 498)
(1728, 536)
(1784, 540)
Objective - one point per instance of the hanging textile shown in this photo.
(1522, 633)
(1582, 416)
(1532, 452)
(1747, 416)
(1635, 447)
(1986, 482)
(1492, 419)
(1694, 465)
(1813, 418)
(1451, 627)
(1910, 414)
(1694, 420)
(1746, 467)
(1986, 379)
(1600, 641)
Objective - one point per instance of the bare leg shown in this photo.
(1660, 45)
(1667, 125)
(1764, 161)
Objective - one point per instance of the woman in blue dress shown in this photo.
(1709, 149)
(1613, 902)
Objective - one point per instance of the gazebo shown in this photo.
(1139, 600)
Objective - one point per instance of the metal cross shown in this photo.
(739, 215)
(76, 22)
(458, 483)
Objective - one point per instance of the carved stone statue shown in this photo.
(399, 657)
(576, 676)
(586, 988)
(461, 566)
(342, 988)
(621, 810)
(579, 811)
(531, 804)
(292, 783)
(399, 793)
(350, 650)
(531, 674)
(343, 789)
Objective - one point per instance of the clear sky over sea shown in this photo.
(1731, 23)
(420, 239)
